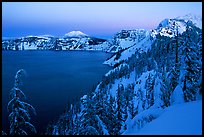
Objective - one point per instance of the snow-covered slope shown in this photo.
(141, 43)
(124, 39)
(180, 119)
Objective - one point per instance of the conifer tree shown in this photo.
(149, 85)
(119, 110)
(175, 72)
(192, 66)
(111, 121)
(165, 89)
(19, 116)
(90, 124)
(130, 96)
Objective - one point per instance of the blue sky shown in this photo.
(100, 19)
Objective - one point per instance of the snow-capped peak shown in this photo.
(168, 27)
(75, 34)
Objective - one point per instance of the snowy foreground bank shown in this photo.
(179, 119)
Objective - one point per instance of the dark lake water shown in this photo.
(53, 80)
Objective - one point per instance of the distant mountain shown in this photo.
(124, 42)
(75, 34)
(74, 40)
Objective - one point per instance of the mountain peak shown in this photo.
(75, 34)
(196, 19)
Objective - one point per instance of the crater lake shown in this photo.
(53, 80)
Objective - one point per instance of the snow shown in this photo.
(164, 23)
(136, 123)
(75, 34)
(120, 41)
(142, 80)
(84, 97)
(157, 92)
(181, 27)
(124, 81)
(142, 46)
(168, 27)
(179, 119)
(29, 46)
(124, 43)
(111, 61)
(45, 36)
(83, 100)
(177, 95)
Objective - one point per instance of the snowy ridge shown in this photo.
(168, 27)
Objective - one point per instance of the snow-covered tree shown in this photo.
(140, 106)
(192, 64)
(130, 100)
(149, 85)
(175, 71)
(111, 121)
(165, 89)
(19, 116)
(119, 110)
(89, 120)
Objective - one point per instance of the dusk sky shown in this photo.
(100, 19)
